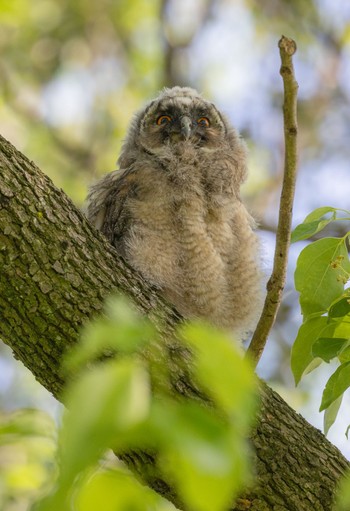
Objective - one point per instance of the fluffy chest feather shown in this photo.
(175, 223)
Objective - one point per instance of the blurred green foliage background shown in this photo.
(73, 73)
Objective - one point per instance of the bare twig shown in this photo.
(276, 282)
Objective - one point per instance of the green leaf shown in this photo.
(116, 489)
(336, 385)
(318, 283)
(122, 330)
(344, 356)
(105, 404)
(319, 213)
(204, 457)
(315, 222)
(306, 230)
(227, 377)
(340, 308)
(330, 414)
(28, 445)
(328, 347)
(205, 453)
(342, 331)
(343, 494)
(302, 355)
(26, 422)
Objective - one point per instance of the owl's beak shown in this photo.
(186, 126)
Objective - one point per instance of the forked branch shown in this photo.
(277, 280)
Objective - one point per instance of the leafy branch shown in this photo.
(276, 282)
(321, 278)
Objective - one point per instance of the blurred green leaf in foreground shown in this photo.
(125, 402)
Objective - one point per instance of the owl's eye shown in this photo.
(203, 121)
(163, 119)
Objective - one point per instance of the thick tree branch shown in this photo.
(56, 271)
(277, 280)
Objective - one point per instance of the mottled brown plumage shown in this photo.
(174, 212)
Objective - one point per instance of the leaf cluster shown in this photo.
(27, 446)
(321, 278)
(126, 403)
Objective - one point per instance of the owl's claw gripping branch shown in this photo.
(276, 282)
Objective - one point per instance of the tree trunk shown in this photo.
(56, 271)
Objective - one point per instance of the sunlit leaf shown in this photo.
(25, 476)
(336, 385)
(121, 330)
(330, 414)
(27, 451)
(344, 356)
(304, 231)
(319, 213)
(315, 222)
(343, 494)
(302, 355)
(26, 422)
(206, 459)
(117, 490)
(227, 377)
(106, 402)
(318, 276)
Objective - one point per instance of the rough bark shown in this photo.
(56, 271)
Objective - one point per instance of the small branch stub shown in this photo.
(276, 282)
(288, 46)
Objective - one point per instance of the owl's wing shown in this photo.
(106, 205)
(95, 207)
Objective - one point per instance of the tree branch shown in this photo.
(56, 271)
(277, 280)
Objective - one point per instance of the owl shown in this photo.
(173, 210)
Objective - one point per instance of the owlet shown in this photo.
(173, 210)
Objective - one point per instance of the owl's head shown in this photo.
(180, 115)
(180, 118)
